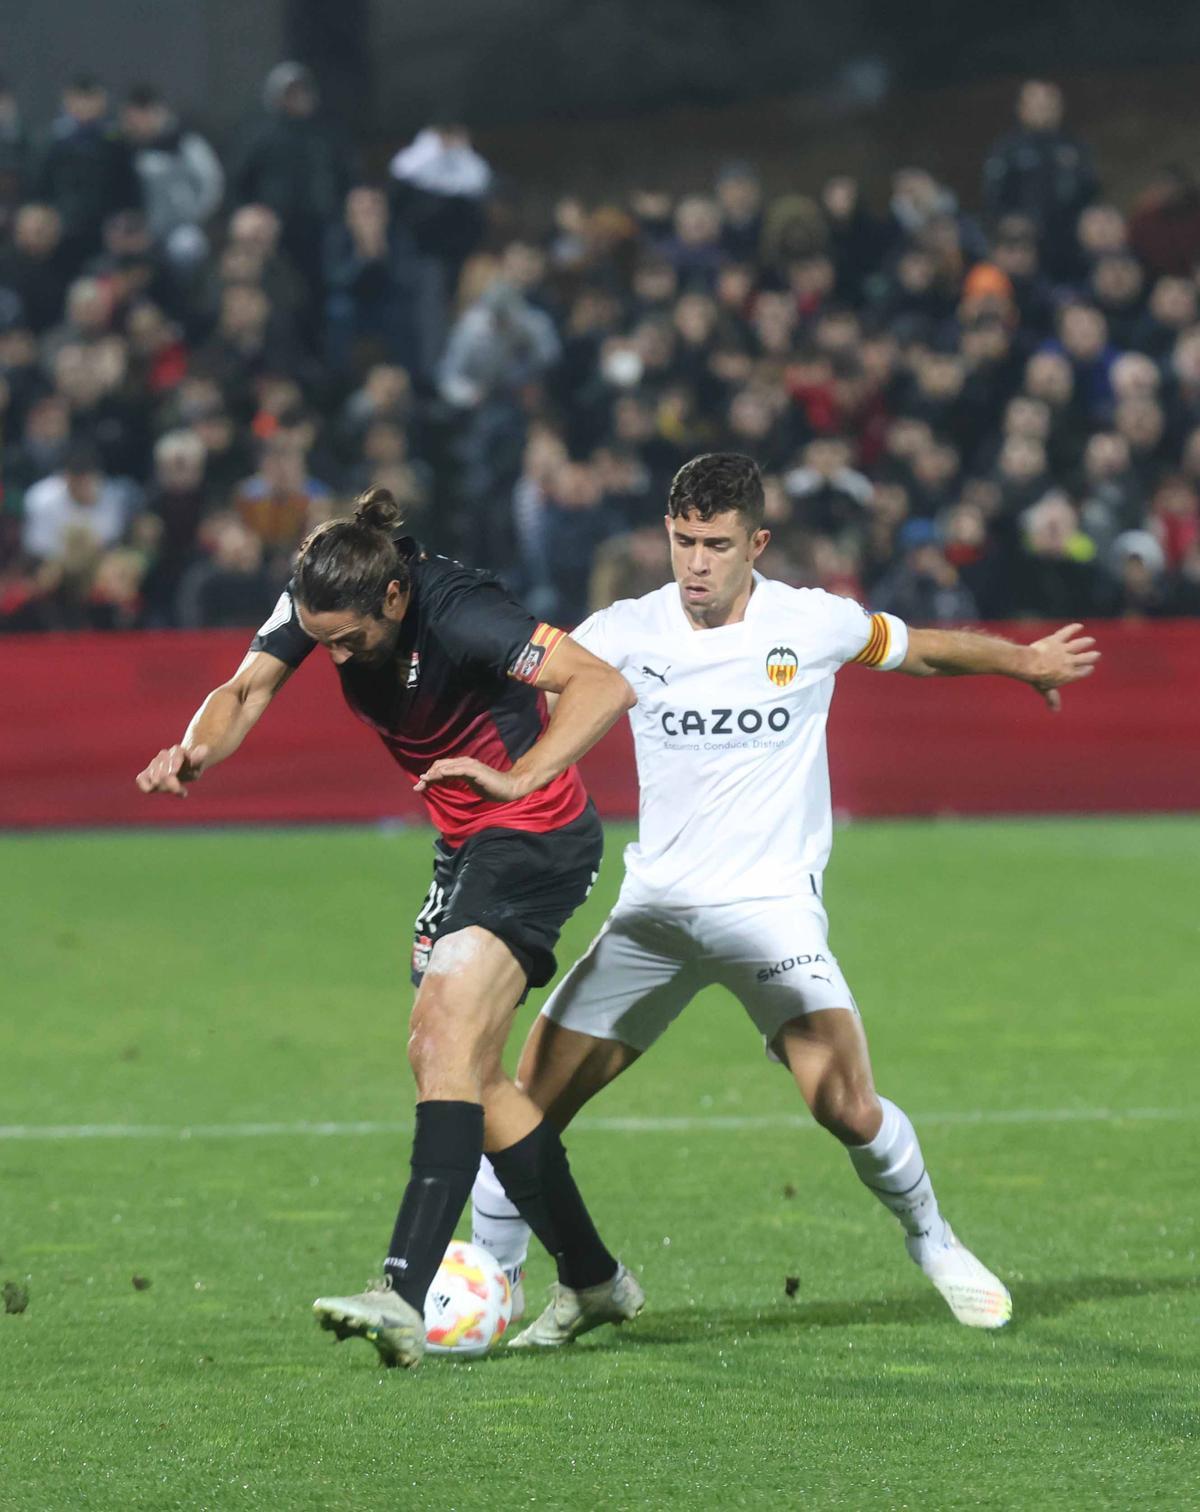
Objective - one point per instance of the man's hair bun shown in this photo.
(377, 509)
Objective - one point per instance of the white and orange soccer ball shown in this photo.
(469, 1305)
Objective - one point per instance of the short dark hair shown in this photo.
(144, 96)
(348, 564)
(715, 482)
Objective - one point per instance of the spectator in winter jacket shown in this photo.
(86, 170)
(14, 155)
(295, 162)
(439, 190)
(370, 280)
(497, 347)
(1041, 171)
(36, 266)
(181, 176)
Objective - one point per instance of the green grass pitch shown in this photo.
(1031, 994)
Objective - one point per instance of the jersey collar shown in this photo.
(753, 610)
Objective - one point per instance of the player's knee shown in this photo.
(434, 1052)
(850, 1113)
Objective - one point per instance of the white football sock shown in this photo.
(495, 1222)
(893, 1167)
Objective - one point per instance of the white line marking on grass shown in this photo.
(686, 1124)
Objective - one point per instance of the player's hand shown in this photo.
(484, 781)
(1062, 658)
(172, 769)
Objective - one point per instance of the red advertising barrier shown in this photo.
(81, 714)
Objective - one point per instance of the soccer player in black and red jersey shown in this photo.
(451, 672)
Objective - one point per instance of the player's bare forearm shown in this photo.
(591, 697)
(218, 726)
(1063, 657)
(959, 653)
(588, 705)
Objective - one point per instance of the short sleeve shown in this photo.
(484, 627)
(596, 635)
(280, 634)
(871, 640)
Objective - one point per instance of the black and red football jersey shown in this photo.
(459, 684)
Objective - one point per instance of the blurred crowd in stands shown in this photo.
(961, 414)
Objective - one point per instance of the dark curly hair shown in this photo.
(348, 564)
(714, 482)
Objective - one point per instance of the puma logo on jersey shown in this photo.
(662, 676)
(723, 721)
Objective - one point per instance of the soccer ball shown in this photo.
(469, 1305)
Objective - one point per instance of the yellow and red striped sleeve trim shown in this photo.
(879, 643)
(541, 646)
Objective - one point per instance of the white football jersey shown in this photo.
(729, 730)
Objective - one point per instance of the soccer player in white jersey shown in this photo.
(734, 674)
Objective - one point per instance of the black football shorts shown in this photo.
(520, 886)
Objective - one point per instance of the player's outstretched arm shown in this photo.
(1064, 657)
(218, 726)
(592, 696)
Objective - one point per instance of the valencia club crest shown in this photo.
(781, 665)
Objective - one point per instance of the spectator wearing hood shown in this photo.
(293, 161)
(86, 170)
(181, 177)
(1138, 566)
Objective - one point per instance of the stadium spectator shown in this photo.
(181, 177)
(1164, 225)
(178, 500)
(14, 154)
(739, 196)
(439, 190)
(1057, 574)
(925, 587)
(36, 266)
(71, 519)
(85, 170)
(371, 279)
(229, 583)
(1039, 170)
(886, 369)
(295, 162)
(281, 502)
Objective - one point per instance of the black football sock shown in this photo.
(535, 1174)
(445, 1156)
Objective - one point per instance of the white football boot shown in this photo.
(572, 1313)
(973, 1294)
(378, 1315)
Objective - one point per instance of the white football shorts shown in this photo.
(648, 963)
